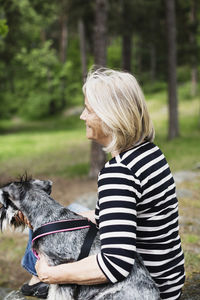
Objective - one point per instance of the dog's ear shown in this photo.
(12, 192)
(10, 196)
(44, 185)
(3, 198)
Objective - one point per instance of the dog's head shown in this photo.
(12, 196)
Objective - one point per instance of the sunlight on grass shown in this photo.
(59, 147)
(182, 152)
(192, 261)
(191, 238)
(43, 153)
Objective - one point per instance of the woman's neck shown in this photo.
(114, 153)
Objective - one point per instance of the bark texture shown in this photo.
(98, 156)
(173, 130)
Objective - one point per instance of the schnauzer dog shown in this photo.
(32, 198)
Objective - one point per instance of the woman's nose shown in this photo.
(83, 115)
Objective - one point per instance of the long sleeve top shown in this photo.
(137, 210)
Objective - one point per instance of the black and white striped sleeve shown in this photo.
(118, 193)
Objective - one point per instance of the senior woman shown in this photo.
(137, 208)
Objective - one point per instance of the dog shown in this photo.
(32, 198)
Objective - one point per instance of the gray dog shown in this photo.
(32, 198)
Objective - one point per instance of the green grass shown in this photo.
(58, 146)
(52, 147)
(183, 151)
(191, 238)
(192, 261)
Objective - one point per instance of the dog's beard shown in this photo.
(9, 219)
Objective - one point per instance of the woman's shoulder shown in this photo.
(145, 155)
(143, 152)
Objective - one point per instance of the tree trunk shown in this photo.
(126, 51)
(98, 156)
(153, 61)
(126, 35)
(173, 130)
(63, 50)
(100, 33)
(43, 36)
(81, 29)
(193, 43)
(63, 37)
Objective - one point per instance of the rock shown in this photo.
(184, 176)
(88, 200)
(197, 166)
(3, 292)
(183, 193)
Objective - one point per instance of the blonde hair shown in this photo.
(118, 101)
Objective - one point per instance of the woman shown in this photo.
(137, 209)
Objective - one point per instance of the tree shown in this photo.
(98, 156)
(194, 47)
(81, 30)
(173, 130)
(126, 35)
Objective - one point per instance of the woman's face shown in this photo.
(93, 125)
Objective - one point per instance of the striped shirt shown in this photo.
(137, 210)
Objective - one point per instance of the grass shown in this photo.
(183, 151)
(189, 210)
(47, 147)
(58, 146)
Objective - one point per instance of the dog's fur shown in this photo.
(32, 198)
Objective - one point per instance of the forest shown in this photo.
(46, 48)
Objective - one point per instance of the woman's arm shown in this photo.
(83, 272)
(89, 214)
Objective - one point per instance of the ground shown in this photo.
(68, 190)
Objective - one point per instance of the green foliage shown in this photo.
(3, 28)
(41, 92)
(184, 92)
(154, 87)
(183, 73)
(114, 53)
(34, 82)
(72, 72)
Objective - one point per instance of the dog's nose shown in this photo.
(49, 182)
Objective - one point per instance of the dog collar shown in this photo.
(68, 225)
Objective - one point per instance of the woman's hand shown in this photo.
(24, 219)
(43, 270)
(84, 272)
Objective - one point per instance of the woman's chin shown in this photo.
(89, 136)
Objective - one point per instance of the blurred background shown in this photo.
(46, 50)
